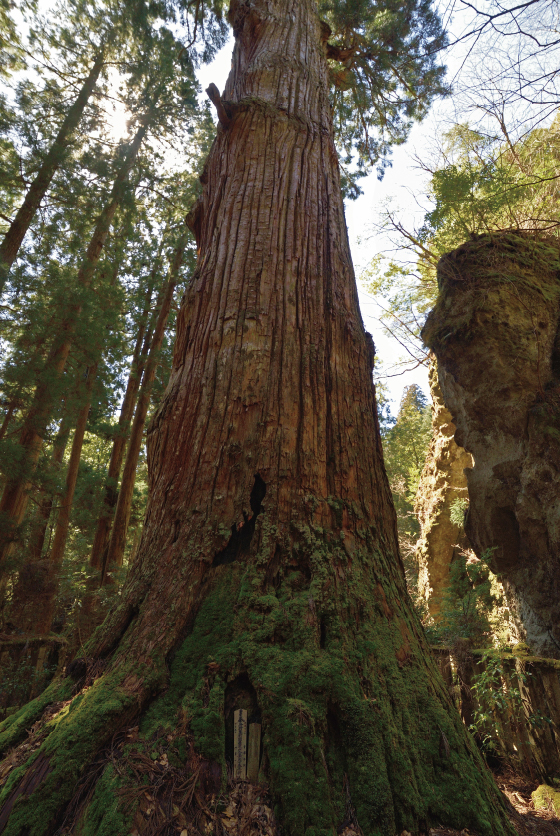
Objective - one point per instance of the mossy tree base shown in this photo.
(354, 716)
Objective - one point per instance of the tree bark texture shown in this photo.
(268, 577)
(117, 544)
(12, 240)
(15, 497)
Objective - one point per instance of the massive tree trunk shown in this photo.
(14, 236)
(268, 577)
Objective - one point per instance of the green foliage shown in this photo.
(386, 420)
(385, 74)
(20, 679)
(9, 40)
(487, 185)
(546, 797)
(405, 444)
(42, 295)
(468, 604)
(457, 511)
(482, 184)
(497, 691)
(494, 695)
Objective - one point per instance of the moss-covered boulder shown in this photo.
(546, 798)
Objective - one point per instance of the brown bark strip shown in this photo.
(214, 95)
(33, 779)
(12, 240)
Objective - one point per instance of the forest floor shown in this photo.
(527, 821)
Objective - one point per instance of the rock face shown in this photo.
(495, 334)
(443, 481)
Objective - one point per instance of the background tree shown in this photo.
(103, 312)
(404, 447)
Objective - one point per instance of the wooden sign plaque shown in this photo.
(240, 745)
(254, 754)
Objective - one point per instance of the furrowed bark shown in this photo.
(117, 543)
(12, 240)
(139, 356)
(268, 577)
(13, 504)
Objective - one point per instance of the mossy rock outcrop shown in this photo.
(495, 333)
(442, 483)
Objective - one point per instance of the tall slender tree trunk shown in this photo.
(44, 613)
(117, 543)
(268, 577)
(93, 607)
(13, 504)
(33, 577)
(11, 408)
(14, 236)
(45, 507)
(139, 355)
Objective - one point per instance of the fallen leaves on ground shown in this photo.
(527, 820)
(36, 735)
(247, 813)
